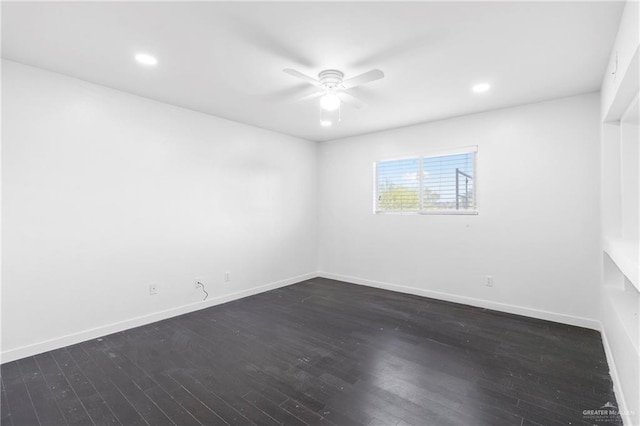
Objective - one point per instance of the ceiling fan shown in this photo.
(332, 88)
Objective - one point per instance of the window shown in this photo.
(432, 184)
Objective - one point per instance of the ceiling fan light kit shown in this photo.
(332, 91)
(330, 101)
(330, 117)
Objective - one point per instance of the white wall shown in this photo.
(105, 193)
(538, 228)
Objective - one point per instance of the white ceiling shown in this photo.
(226, 59)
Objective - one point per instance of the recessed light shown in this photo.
(325, 123)
(146, 59)
(481, 88)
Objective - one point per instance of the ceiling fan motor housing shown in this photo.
(330, 79)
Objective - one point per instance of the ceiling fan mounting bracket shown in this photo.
(330, 79)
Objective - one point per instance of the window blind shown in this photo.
(448, 182)
(398, 185)
(429, 184)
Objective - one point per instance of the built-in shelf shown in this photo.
(626, 255)
(626, 309)
(620, 211)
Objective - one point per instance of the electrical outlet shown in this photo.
(153, 289)
(227, 277)
(489, 281)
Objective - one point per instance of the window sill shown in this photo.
(432, 212)
(452, 212)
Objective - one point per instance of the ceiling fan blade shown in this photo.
(301, 76)
(349, 99)
(363, 78)
(291, 94)
(309, 96)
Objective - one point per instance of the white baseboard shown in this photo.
(71, 339)
(481, 303)
(613, 371)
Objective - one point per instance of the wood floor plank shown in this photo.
(134, 394)
(43, 400)
(300, 411)
(210, 399)
(70, 404)
(272, 409)
(95, 405)
(196, 408)
(320, 352)
(171, 408)
(117, 402)
(22, 411)
(5, 413)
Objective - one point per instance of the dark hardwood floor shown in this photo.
(320, 352)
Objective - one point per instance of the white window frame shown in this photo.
(439, 153)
